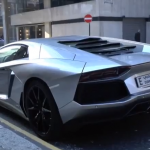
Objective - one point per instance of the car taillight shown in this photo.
(104, 74)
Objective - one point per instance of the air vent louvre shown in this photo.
(99, 46)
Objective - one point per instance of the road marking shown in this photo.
(31, 136)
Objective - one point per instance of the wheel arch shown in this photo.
(22, 98)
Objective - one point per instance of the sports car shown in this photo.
(70, 80)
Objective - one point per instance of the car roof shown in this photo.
(71, 38)
(69, 46)
(61, 38)
(52, 39)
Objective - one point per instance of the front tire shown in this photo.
(42, 111)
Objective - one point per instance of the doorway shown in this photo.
(31, 32)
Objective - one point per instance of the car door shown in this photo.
(7, 56)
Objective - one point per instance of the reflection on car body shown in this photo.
(73, 79)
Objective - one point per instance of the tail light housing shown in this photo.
(104, 74)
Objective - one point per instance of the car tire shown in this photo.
(42, 111)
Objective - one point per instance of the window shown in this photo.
(13, 53)
(28, 5)
(55, 3)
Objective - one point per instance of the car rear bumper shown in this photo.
(130, 105)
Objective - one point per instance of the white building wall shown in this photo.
(74, 11)
(103, 28)
(67, 12)
(111, 29)
(70, 29)
(129, 8)
(33, 17)
(81, 28)
(119, 8)
(47, 25)
(95, 28)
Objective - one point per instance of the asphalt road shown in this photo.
(129, 134)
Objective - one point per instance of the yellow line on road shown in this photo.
(31, 136)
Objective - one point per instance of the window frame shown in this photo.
(16, 44)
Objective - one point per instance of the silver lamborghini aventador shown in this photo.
(72, 80)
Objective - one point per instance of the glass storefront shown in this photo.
(12, 29)
(31, 32)
(28, 32)
(11, 9)
(55, 3)
(19, 6)
(28, 5)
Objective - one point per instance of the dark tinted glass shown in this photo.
(21, 33)
(28, 5)
(13, 53)
(55, 3)
(40, 31)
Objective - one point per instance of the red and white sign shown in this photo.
(88, 18)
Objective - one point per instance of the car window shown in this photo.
(13, 53)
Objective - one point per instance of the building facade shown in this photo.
(25, 19)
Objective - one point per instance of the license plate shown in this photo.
(143, 80)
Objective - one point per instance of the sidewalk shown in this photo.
(9, 140)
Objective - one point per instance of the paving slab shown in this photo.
(9, 140)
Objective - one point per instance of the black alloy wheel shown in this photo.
(42, 111)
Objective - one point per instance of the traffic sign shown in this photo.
(88, 18)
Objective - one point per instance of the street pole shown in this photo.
(5, 21)
(89, 29)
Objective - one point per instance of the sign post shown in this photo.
(88, 19)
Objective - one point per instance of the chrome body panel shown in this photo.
(76, 110)
(10, 105)
(61, 66)
(52, 50)
(52, 72)
(137, 95)
(95, 62)
(133, 59)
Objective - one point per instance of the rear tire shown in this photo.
(42, 111)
